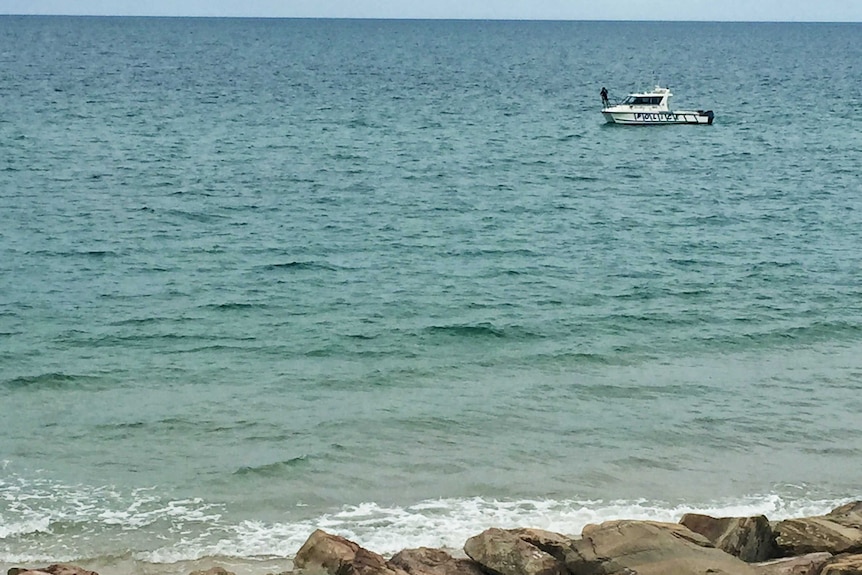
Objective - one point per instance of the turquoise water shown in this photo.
(397, 279)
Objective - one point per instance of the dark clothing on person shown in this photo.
(604, 94)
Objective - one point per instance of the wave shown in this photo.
(470, 331)
(146, 338)
(74, 522)
(448, 523)
(51, 380)
(570, 358)
(71, 522)
(821, 330)
(817, 332)
(361, 336)
(200, 217)
(9, 529)
(95, 254)
(573, 178)
(230, 306)
(275, 469)
(142, 321)
(481, 331)
(297, 266)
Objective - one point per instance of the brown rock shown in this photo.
(335, 555)
(811, 564)
(749, 538)
(649, 548)
(325, 552)
(839, 531)
(848, 515)
(844, 565)
(679, 531)
(213, 571)
(504, 553)
(425, 561)
(55, 569)
(553, 544)
(816, 534)
(64, 569)
(367, 562)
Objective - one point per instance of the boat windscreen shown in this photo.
(643, 100)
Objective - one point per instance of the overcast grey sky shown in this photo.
(739, 10)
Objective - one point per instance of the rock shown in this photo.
(844, 565)
(553, 544)
(425, 561)
(839, 531)
(213, 571)
(55, 569)
(749, 538)
(848, 515)
(816, 534)
(504, 553)
(325, 552)
(677, 530)
(367, 562)
(649, 548)
(334, 555)
(811, 564)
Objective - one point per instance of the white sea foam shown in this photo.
(448, 523)
(75, 521)
(32, 525)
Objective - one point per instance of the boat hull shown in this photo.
(631, 118)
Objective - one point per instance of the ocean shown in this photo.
(398, 280)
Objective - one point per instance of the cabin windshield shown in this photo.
(643, 100)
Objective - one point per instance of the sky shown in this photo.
(711, 10)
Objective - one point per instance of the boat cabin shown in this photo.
(659, 98)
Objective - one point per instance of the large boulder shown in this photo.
(367, 562)
(335, 555)
(504, 553)
(811, 564)
(649, 548)
(839, 531)
(55, 569)
(848, 515)
(325, 552)
(553, 544)
(749, 538)
(425, 561)
(213, 571)
(844, 565)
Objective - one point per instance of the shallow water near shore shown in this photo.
(399, 281)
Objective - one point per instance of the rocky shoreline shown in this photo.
(829, 544)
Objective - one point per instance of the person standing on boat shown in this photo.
(604, 93)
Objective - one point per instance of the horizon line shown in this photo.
(420, 19)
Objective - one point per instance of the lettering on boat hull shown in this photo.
(658, 117)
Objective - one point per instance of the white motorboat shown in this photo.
(652, 109)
